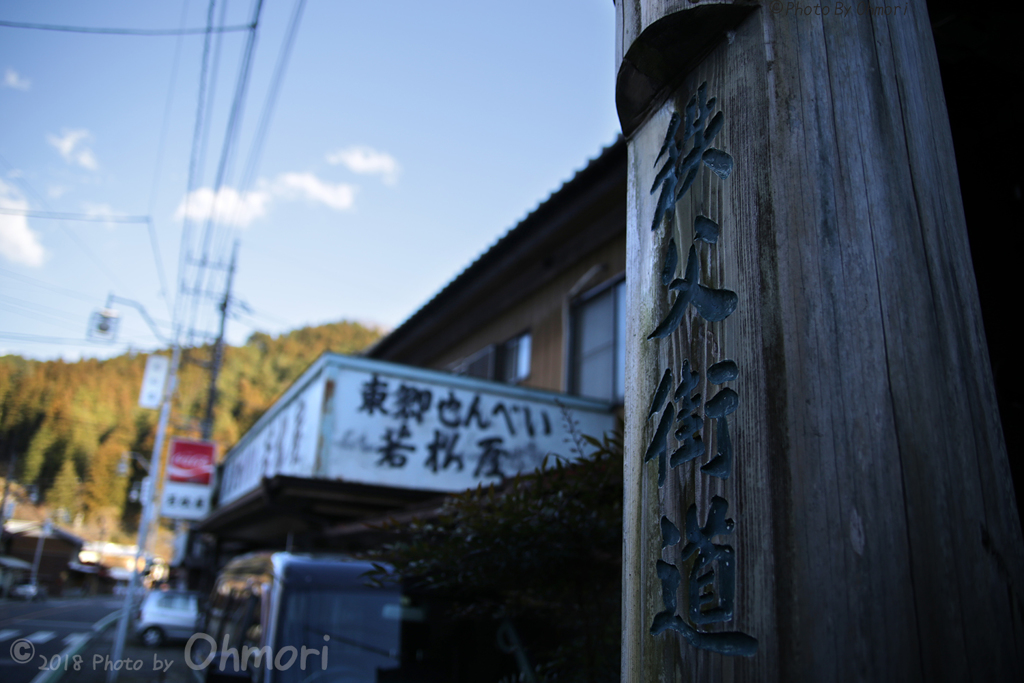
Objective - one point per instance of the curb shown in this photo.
(53, 675)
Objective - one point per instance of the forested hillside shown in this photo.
(70, 424)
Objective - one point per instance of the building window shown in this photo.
(481, 364)
(598, 337)
(514, 357)
(507, 362)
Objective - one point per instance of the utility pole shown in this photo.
(218, 349)
(149, 511)
(182, 527)
(44, 533)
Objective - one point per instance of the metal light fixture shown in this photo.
(103, 325)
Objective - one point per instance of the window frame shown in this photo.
(575, 305)
(490, 351)
(501, 358)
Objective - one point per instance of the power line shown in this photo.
(28, 188)
(41, 316)
(155, 246)
(256, 316)
(130, 31)
(218, 47)
(39, 312)
(211, 90)
(46, 285)
(193, 175)
(22, 302)
(234, 122)
(252, 165)
(153, 242)
(19, 336)
(63, 216)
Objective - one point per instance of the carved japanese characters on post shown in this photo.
(710, 584)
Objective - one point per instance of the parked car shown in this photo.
(29, 591)
(166, 615)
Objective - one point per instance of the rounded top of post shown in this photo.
(658, 41)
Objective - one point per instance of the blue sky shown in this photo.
(405, 139)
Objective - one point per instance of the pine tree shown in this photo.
(64, 494)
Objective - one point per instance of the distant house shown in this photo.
(12, 572)
(57, 550)
(104, 567)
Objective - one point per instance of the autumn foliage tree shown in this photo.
(79, 419)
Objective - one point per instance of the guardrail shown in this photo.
(54, 675)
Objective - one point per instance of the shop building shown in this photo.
(534, 326)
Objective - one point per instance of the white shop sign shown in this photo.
(152, 392)
(284, 444)
(378, 423)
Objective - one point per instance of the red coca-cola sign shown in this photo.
(191, 462)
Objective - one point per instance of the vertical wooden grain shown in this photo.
(876, 529)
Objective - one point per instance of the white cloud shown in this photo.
(56, 191)
(339, 197)
(18, 242)
(228, 206)
(366, 160)
(73, 148)
(240, 210)
(12, 79)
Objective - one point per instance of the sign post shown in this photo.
(147, 511)
(816, 485)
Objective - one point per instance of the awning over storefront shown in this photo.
(8, 562)
(298, 505)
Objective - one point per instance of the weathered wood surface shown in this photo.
(876, 530)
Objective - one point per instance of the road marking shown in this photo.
(8, 633)
(40, 637)
(74, 638)
(52, 624)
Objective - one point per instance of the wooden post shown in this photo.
(821, 247)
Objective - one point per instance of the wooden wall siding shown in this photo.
(546, 363)
(541, 312)
(876, 533)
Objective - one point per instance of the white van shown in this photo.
(287, 618)
(291, 618)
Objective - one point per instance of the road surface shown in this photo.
(32, 634)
